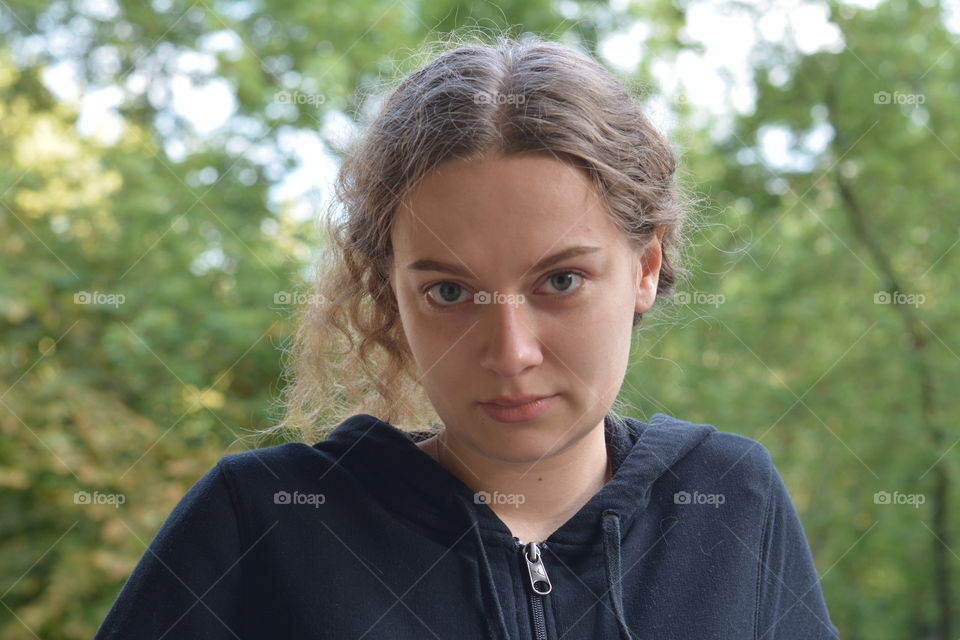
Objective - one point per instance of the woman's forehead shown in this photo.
(523, 175)
(530, 201)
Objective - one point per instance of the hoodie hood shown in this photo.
(420, 491)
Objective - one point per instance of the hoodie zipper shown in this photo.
(539, 585)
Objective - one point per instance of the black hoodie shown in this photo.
(364, 535)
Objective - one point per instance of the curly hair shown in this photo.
(349, 354)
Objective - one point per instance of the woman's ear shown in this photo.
(648, 272)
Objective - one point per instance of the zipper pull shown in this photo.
(538, 573)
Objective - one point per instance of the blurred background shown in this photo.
(163, 163)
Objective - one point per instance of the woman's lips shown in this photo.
(520, 413)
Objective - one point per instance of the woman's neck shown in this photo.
(532, 499)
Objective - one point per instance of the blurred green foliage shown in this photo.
(143, 312)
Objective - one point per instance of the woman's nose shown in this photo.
(511, 343)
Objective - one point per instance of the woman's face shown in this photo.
(505, 319)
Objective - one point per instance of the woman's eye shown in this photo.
(450, 293)
(561, 280)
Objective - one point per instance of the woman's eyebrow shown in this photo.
(427, 264)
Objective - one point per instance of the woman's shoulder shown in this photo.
(281, 463)
(712, 441)
(722, 454)
(286, 452)
(729, 447)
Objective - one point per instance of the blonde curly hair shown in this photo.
(349, 354)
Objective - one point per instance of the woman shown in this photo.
(510, 215)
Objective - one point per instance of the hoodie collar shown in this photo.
(412, 484)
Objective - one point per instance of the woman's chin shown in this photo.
(525, 445)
